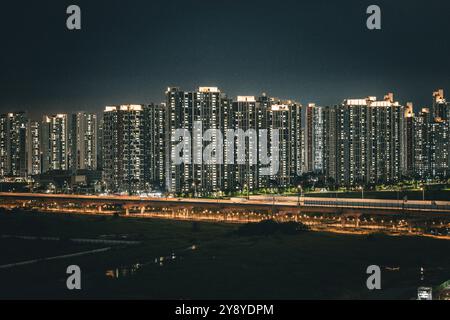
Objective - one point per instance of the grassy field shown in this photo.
(223, 265)
(18, 250)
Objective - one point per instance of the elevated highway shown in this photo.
(262, 204)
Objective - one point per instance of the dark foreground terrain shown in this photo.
(186, 260)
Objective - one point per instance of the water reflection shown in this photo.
(130, 270)
(123, 272)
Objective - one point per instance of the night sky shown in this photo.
(130, 51)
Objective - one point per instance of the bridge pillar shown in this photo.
(127, 211)
(357, 221)
(142, 209)
(99, 209)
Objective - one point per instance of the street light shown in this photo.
(248, 192)
(423, 193)
(300, 191)
(362, 192)
(195, 189)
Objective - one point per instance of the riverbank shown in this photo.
(204, 260)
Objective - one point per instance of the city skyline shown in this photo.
(184, 145)
(35, 115)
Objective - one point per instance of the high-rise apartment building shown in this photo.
(13, 130)
(55, 142)
(386, 124)
(100, 144)
(203, 115)
(440, 148)
(431, 134)
(313, 138)
(440, 136)
(408, 144)
(249, 117)
(85, 134)
(178, 116)
(284, 117)
(354, 137)
(123, 149)
(155, 144)
(34, 156)
(440, 107)
(332, 145)
(423, 141)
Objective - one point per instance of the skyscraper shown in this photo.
(386, 121)
(354, 137)
(313, 137)
(199, 113)
(123, 149)
(86, 140)
(55, 142)
(249, 116)
(408, 144)
(432, 139)
(100, 144)
(207, 139)
(284, 116)
(440, 136)
(178, 116)
(440, 107)
(34, 156)
(440, 148)
(423, 141)
(155, 144)
(13, 130)
(332, 145)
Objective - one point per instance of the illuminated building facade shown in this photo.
(285, 118)
(249, 116)
(123, 149)
(55, 142)
(356, 143)
(86, 140)
(386, 121)
(408, 141)
(313, 138)
(155, 144)
(440, 165)
(423, 149)
(202, 114)
(34, 157)
(13, 129)
(440, 107)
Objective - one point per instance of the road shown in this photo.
(274, 203)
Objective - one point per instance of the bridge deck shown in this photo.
(278, 204)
